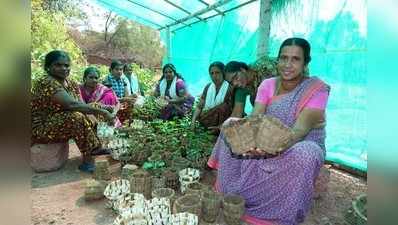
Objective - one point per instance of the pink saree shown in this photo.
(102, 96)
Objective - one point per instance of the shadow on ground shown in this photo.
(68, 173)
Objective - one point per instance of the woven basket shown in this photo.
(164, 193)
(240, 135)
(188, 203)
(101, 171)
(180, 163)
(128, 170)
(273, 136)
(171, 179)
(158, 182)
(184, 219)
(94, 189)
(200, 163)
(233, 209)
(141, 182)
(211, 205)
(116, 190)
(188, 176)
(139, 157)
(261, 131)
(195, 188)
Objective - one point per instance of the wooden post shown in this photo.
(264, 28)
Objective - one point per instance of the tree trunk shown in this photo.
(109, 20)
(264, 28)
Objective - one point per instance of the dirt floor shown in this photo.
(57, 197)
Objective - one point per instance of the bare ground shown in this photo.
(57, 197)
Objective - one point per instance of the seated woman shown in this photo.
(135, 85)
(172, 87)
(58, 114)
(121, 86)
(245, 81)
(279, 189)
(215, 104)
(98, 95)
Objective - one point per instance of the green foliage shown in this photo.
(48, 33)
(265, 66)
(176, 138)
(145, 77)
(70, 8)
(149, 111)
(122, 39)
(154, 164)
(140, 42)
(167, 140)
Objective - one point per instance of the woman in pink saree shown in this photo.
(279, 190)
(98, 95)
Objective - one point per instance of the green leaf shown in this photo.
(147, 166)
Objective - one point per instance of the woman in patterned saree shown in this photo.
(97, 94)
(215, 104)
(58, 114)
(279, 190)
(172, 87)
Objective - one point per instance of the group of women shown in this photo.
(276, 190)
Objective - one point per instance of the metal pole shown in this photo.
(168, 37)
(264, 28)
(207, 4)
(152, 10)
(223, 13)
(200, 12)
(182, 9)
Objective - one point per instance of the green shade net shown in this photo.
(335, 29)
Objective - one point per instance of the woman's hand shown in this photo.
(231, 121)
(254, 152)
(109, 117)
(262, 153)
